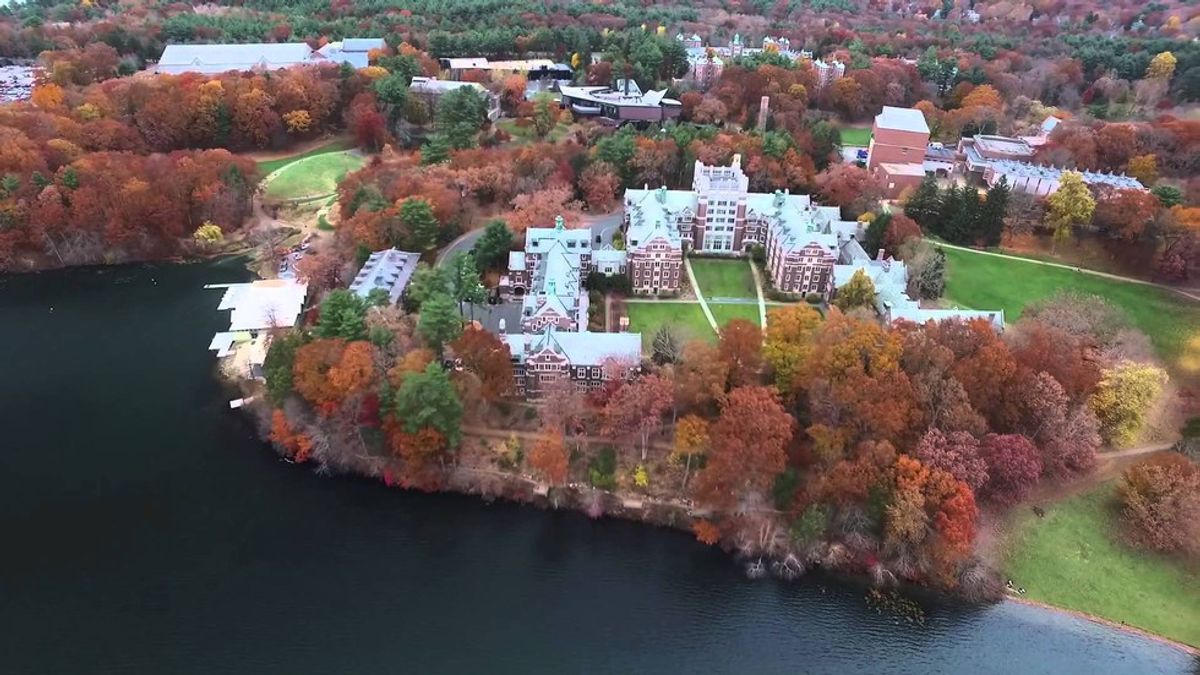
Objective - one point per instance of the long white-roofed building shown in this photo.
(256, 308)
(211, 59)
(388, 270)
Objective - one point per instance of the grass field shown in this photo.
(855, 135)
(313, 175)
(723, 278)
(1071, 559)
(685, 317)
(988, 282)
(267, 166)
(724, 313)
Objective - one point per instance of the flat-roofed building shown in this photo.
(389, 270)
(899, 136)
(620, 104)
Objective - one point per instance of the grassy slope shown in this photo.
(313, 175)
(724, 278)
(855, 135)
(1072, 559)
(987, 282)
(267, 166)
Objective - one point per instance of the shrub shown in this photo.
(602, 470)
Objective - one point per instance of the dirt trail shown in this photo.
(294, 151)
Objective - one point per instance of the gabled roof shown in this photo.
(219, 58)
(580, 349)
(263, 304)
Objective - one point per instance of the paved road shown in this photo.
(1081, 270)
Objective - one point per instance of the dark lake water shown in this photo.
(143, 529)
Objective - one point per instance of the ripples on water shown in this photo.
(147, 531)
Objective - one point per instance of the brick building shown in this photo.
(554, 342)
(899, 136)
(719, 215)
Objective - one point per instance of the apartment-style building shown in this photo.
(720, 216)
(554, 342)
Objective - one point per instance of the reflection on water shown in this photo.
(147, 531)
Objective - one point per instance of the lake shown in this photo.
(145, 529)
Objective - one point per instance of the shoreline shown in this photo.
(1109, 623)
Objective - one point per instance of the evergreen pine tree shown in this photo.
(923, 206)
(422, 225)
(993, 213)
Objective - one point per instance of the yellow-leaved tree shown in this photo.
(208, 233)
(1123, 399)
(1071, 206)
(1162, 66)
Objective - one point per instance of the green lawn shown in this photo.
(270, 165)
(528, 134)
(986, 282)
(685, 317)
(1072, 559)
(724, 313)
(855, 135)
(724, 278)
(313, 176)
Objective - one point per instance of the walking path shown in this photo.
(1081, 270)
(762, 306)
(687, 264)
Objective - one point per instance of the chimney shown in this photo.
(764, 108)
(881, 256)
(737, 161)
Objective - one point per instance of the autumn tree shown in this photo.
(748, 448)
(788, 345)
(545, 114)
(636, 409)
(691, 442)
(549, 458)
(479, 351)
(1160, 498)
(1123, 399)
(1144, 168)
(957, 453)
(701, 376)
(740, 349)
(1162, 66)
(1013, 467)
(599, 183)
(852, 188)
(1126, 213)
(1071, 206)
(859, 291)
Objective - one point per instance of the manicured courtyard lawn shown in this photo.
(313, 176)
(724, 313)
(267, 166)
(723, 278)
(685, 317)
(1072, 559)
(987, 282)
(855, 135)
